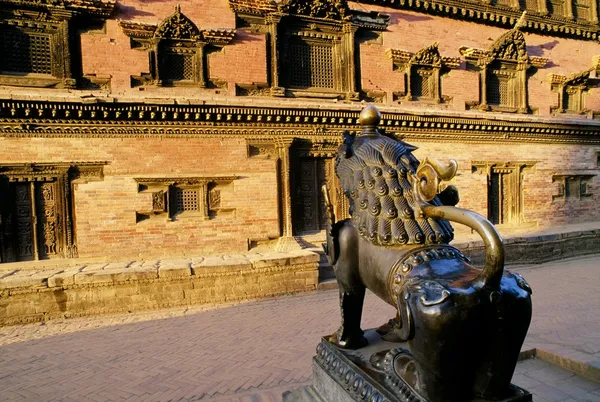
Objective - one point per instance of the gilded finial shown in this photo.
(369, 118)
(178, 8)
(521, 22)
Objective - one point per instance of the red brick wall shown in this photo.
(106, 211)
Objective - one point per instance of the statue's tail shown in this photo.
(494, 250)
(329, 247)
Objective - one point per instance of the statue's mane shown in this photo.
(374, 172)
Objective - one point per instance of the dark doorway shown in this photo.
(309, 211)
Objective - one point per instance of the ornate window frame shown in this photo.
(176, 37)
(506, 60)
(53, 22)
(426, 61)
(315, 26)
(571, 90)
(164, 194)
(581, 182)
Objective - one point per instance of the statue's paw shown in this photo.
(354, 341)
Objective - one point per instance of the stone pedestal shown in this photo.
(348, 375)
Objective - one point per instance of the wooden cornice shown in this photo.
(96, 8)
(496, 15)
(63, 119)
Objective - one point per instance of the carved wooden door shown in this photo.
(31, 228)
(310, 213)
(503, 196)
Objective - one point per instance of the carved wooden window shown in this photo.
(183, 198)
(501, 88)
(177, 65)
(571, 91)
(177, 50)
(572, 187)
(582, 10)
(187, 199)
(423, 71)
(529, 5)
(503, 68)
(571, 99)
(311, 64)
(422, 83)
(24, 53)
(36, 41)
(556, 7)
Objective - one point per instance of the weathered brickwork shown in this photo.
(271, 143)
(105, 211)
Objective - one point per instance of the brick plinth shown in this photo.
(101, 288)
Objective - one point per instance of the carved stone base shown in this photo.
(346, 376)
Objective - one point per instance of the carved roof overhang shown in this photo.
(428, 56)
(319, 12)
(509, 47)
(176, 27)
(496, 15)
(585, 79)
(96, 8)
(62, 119)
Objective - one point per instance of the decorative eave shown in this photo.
(253, 7)
(328, 11)
(538, 62)
(510, 47)
(370, 20)
(96, 8)
(137, 30)
(144, 32)
(115, 120)
(219, 37)
(403, 58)
(500, 16)
(184, 179)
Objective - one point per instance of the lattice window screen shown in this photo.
(498, 89)
(310, 65)
(507, 3)
(186, 200)
(581, 10)
(420, 84)
(556, 7)
(177, 67)
(24, 52)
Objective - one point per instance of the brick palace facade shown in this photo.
(159, 128)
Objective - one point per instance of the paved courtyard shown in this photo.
(255, 351)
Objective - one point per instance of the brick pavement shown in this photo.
(254, 351)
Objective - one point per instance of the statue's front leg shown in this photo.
(352, 291)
